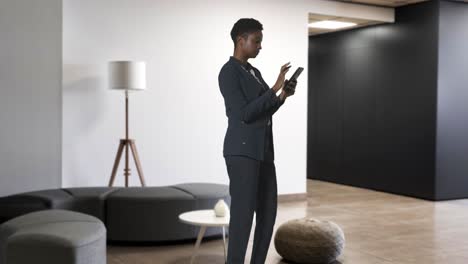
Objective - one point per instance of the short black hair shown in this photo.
(245, 26)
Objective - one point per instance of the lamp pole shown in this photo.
(127, 169)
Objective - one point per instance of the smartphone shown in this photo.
(296, 74)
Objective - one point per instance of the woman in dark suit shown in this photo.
(248, 144)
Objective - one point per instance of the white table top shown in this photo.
(204, 218)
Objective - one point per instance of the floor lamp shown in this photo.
(127, 76)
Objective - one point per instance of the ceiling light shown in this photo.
(330, 24)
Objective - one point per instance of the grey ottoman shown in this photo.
(309, 240)
(53, 237)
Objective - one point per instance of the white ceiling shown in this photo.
(389, 3)
(361, 22)
(320, 17)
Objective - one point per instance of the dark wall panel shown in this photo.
(325, 114)
(329, 110)
(452, 116)
(358, 149)
(372, 104)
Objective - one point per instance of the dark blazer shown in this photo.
(249, 106)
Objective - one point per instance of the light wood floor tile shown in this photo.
(380, 228)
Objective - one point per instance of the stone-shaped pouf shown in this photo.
(53, 237)
(309, 240)
(151, 213)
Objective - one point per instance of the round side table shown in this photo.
(204, 219)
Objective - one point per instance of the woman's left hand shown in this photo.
(290, 87)
(288, 90)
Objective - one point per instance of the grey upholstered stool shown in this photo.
(53, 237)
(309, 240)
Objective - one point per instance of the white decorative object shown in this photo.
(221, 208)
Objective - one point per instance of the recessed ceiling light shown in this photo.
(330, 24)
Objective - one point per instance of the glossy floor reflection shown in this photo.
(380, 228)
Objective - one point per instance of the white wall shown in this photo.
(31, 98)
(179, 122)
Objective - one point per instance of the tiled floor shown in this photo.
(380, 228)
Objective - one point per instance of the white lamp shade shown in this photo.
(127, 75)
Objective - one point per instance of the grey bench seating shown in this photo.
(130, 214)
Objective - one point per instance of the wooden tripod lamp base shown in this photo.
(127, 143)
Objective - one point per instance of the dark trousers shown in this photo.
(252, 188)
